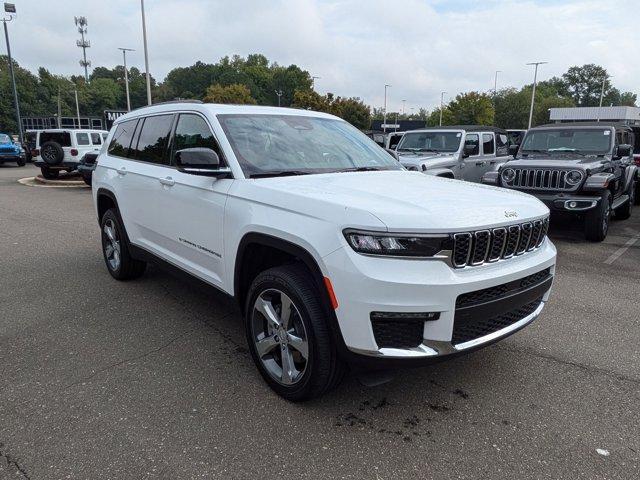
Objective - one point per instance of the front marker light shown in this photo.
(402, 245)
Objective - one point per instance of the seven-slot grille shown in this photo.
(476, 248)
(547, 179)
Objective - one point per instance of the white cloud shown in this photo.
(419, 47)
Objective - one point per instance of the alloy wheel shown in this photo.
(111, 245)
(280, 337)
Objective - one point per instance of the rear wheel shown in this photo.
(288, 334)
(597, 220)
(115, 249)
(624, 212)
(21, 162)
(49, 174)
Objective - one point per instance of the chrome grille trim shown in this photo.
(486, 246)
(540, 179)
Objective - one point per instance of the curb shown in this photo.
(39, 181)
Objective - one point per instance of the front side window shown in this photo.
(487, 143)
(192, 131)
(82, 139)
(588, 141)
(472, 141)
(430, 142)
(152, 141)
(296, 144)
(121, 140)
(95, 139)
(4, 138)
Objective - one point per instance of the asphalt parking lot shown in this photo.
(151, 378)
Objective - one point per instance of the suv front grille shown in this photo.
(476, 248)
(539, 179)
(467, 331)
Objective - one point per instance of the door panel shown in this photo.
(473, 163)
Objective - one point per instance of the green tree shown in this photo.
(235, 94)
(472, 108)
(353, 110)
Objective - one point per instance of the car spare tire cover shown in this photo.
(52, 153)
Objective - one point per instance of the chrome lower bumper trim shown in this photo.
(435, 348)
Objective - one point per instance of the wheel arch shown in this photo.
(105, 199)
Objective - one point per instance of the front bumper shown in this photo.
(86, 169)
(11, 157)
(562, 202)
(366, 284)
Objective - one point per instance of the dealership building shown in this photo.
(628, 115)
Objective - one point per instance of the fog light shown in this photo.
(573, 204)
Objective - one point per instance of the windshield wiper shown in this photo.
(279, 173)
(361, 169)
(526, 152)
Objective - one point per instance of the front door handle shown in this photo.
(492, 162)
(479, 164)
(168, 181)
(122, 171)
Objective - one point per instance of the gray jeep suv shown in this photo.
(584, 169)
(465, 152)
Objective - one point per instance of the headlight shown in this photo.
(574, 177)
(402, 245)
(508, 175)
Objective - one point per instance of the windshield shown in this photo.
(430, 142)
(587, 140)
(293, 144)
(4, 138)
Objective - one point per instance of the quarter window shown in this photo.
(152, 141)
(82, 138)
(487, 144)
(121, 140)
(95, 139)
(473, 140)
(193, 132)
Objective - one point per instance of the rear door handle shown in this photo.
(168, 181)
(122, 171)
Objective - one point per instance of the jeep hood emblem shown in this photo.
(510, 214)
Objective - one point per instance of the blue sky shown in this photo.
(419, 47)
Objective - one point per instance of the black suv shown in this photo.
(586, 169)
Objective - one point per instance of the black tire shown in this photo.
(637, 195)
(87, 178)
(597, 220)
(49, 174)
(127, 267)
(52, 153)
(323, 368)
(22, 162)
(624, 212)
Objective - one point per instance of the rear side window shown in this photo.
(121, 140)
(473, 140)
(62, 138)
(487, 143)
(152, 141)
(82, 139)
(95, 139)
(192, 131)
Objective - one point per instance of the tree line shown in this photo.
(256, 80)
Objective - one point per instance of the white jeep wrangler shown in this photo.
(61, 150)
(337, 255)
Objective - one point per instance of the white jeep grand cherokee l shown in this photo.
(337, 255)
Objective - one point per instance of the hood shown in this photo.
(568, 162)
(429, 160)
(397, 201)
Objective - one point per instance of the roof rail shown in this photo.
(168, 102)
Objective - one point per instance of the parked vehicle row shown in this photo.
(337, 255)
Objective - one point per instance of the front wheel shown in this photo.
(21, 162)
(624, 212)
(597, 220)
(115, 249)
(289, 336)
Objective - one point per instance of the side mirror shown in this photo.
(199, 161)
(623, 150)
(393, 153)
(513, 150)
(468, 150)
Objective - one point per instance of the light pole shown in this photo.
(441, 105)
(126, 75)
(146, 53)
(495, 83)
(384, 114)
(313, 82)
(533, 92)
(604, 79)
(10, 9)
(75, 91)
(404, 103)
(279, 93)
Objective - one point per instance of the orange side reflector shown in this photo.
(332, 295)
